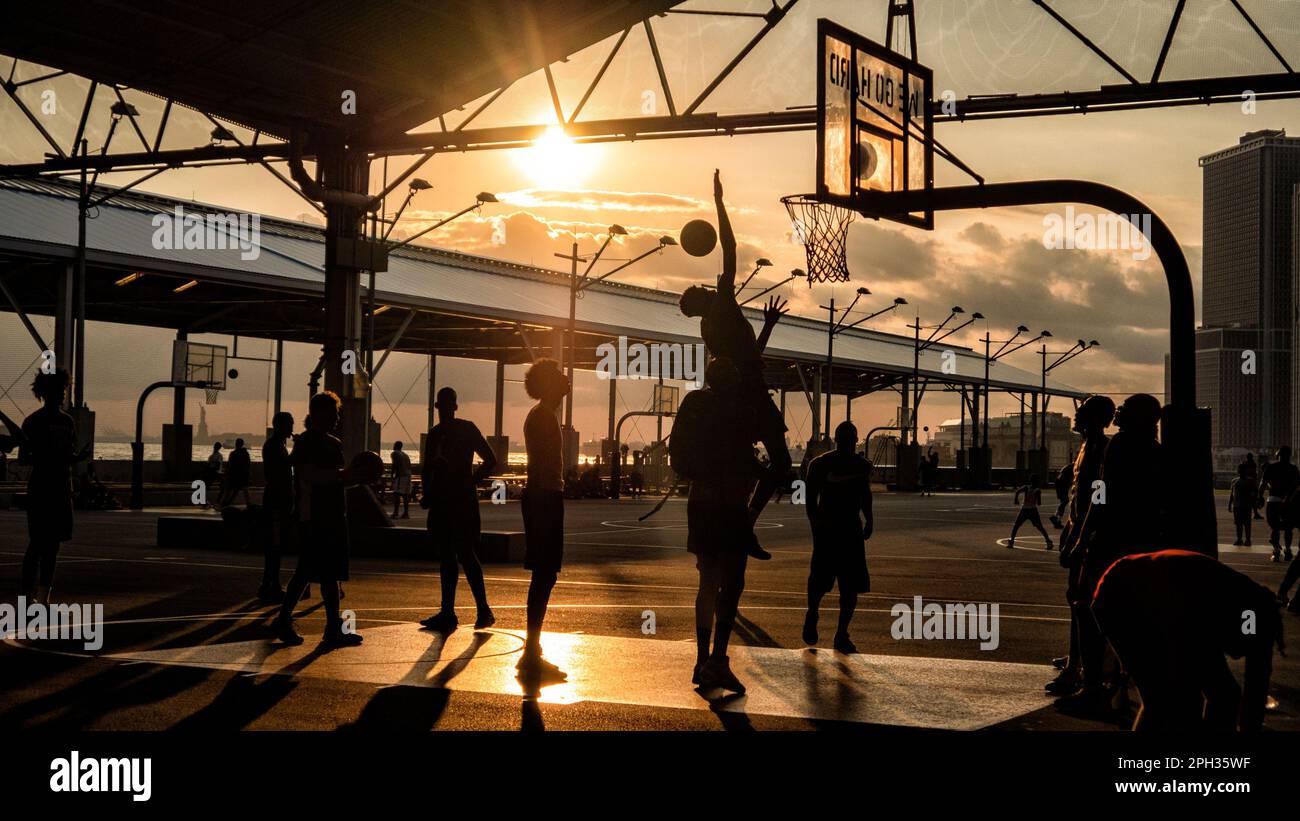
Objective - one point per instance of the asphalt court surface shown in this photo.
(184, 634)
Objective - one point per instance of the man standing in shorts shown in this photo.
(277, 506)
(1033, 497)
(1280, 480)
(401, 481)
(839, 509)
(543, 508)
(711, 445)
(450, 483)
(319, 478)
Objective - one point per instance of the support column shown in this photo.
(432, 418)
(499, 411)
(64, 328)
(178, 393)
(342, 169)
(279, 375)
(500, 443)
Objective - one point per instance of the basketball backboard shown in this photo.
(664, 401)
(875, 132)
(198, 365)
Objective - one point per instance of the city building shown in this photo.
(1245, 348)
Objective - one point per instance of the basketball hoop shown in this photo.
(823, 230)
(211, 395)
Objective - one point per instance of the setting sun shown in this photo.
(554, 160)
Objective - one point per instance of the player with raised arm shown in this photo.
(727, 333)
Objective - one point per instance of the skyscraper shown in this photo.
(1244, 349)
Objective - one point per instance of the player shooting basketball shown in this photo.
(727, 333)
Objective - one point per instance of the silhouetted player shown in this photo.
(1064, 481)
(238, 470)
(1091, 419)
(401, 481)
(48, 446)
(320, 475)
(543, 508)
(450, 494)
(1132, 521)
(1172, 616)
(278, 527)
(1241, 503)
(728, 334)
(711, 445)
(1033, 497)
(839, 510)
(1280, 480)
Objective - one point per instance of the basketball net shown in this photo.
(211, 394)
(823, 230)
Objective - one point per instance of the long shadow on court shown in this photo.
(416, 704)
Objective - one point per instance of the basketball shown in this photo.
(698, 238)
(868, 159)
(367, 468)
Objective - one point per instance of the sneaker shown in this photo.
(1011, 544)
(1246, 543)
(843, 644)
(441, 622)
(1277, 556)
(695, 676)
(716, 673)
(484, 620)
(756, 550)
(534, 668)
(1049, 545)
(1088, 702)
(1061, 662)
(810, 628)
(1237, 543)
(1065, 683)
(283, 630)
(337, 638)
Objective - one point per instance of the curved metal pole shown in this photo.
(137, 447)
(1185, 430)
(616, 472)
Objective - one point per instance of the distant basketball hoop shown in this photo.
(823, 230)
(199, 365)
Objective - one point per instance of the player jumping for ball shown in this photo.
(727, 333)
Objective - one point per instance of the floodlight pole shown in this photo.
(1185, 429)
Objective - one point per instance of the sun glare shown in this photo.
(554, 160)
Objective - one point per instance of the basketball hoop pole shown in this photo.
(1185, 428)
(137, 446)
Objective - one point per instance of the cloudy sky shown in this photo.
(991, 261)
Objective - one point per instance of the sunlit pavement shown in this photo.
(186, 646)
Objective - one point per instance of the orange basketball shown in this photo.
(698, 238)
